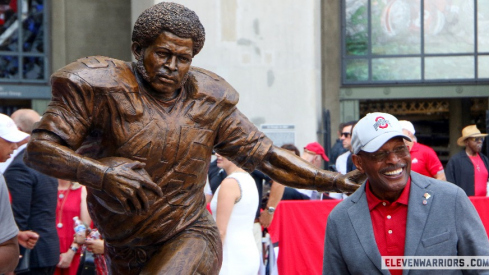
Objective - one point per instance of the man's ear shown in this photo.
(357, 160)
(137, 50)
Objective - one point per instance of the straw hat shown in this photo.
(469, 131)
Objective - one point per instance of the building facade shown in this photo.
(425, 61)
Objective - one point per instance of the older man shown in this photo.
(397, 212)
(423, 158)
(140, 137)
(9, 249)
(34, 198)
(469, 168)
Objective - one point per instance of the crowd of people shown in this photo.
(238, 204)
(469, 175)
(235, 204)
(472, 175)
(46, 209)
(50, 207)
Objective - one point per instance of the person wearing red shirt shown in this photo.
(396, 212)
(469, 168)
(423, 158)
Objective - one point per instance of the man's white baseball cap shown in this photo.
(408, 126)
(373, 131)
(9, 131)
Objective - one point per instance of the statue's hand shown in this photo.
(126, 183)
(350, 182)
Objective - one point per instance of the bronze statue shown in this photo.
(140, 137)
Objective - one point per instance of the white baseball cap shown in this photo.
(374, 130)
(408, 126)
(9, 131)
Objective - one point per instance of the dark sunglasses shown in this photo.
(477, 139)
(382, 155)
(345, 134)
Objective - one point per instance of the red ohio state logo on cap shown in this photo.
(381, 122)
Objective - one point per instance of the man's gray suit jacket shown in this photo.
(448, 225)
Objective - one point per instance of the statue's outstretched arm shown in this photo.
(288, 169)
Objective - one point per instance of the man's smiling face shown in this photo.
(388, 169)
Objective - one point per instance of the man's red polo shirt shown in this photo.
(424, 160)
(389, 222)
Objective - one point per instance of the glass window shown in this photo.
(483, 64)
(449, 67)
(406, 41)
(395, 27)
(356, 33)
(33, 67)
(22, 41)
(357, 70)
(9, 25)
(483, 26)
(396, 69)
(32, 28)
(9, 67)
(449, 26)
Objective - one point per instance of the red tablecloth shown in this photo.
(300, 226)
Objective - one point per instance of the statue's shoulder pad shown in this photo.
(213, 85)
(99, 71)
(94, 63)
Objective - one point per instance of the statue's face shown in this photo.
(167, 61)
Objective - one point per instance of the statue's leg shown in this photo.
(197, 250)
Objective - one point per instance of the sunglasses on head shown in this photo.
(345, 134)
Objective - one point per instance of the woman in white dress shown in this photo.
(234, 207)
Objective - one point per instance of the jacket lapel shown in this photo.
(362, 224)
(417, 212)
